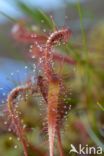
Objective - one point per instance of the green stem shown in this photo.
(82, 25)
(8, 17)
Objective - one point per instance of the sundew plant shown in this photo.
(59, 106)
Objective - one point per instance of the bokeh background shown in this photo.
(84, 124)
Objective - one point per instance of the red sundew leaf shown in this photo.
(54, 83)
(57, 109)
(16, 124)
(42, 83)
(62, 58)
(15, 117)
(52, 113)
(64, 104)
(35, 51)
(50, 89)
(21, 34)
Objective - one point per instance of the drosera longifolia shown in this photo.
(53, 80)
(54, 87)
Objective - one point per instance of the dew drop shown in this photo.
(10, 138)
(44, 30)
(26, 67)
(4, 94)
(9, 129)
(2, 101)
(33, 57)
(5, 123)
(15, 146)
(12, 74)
(18, 139)
(24, 126)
